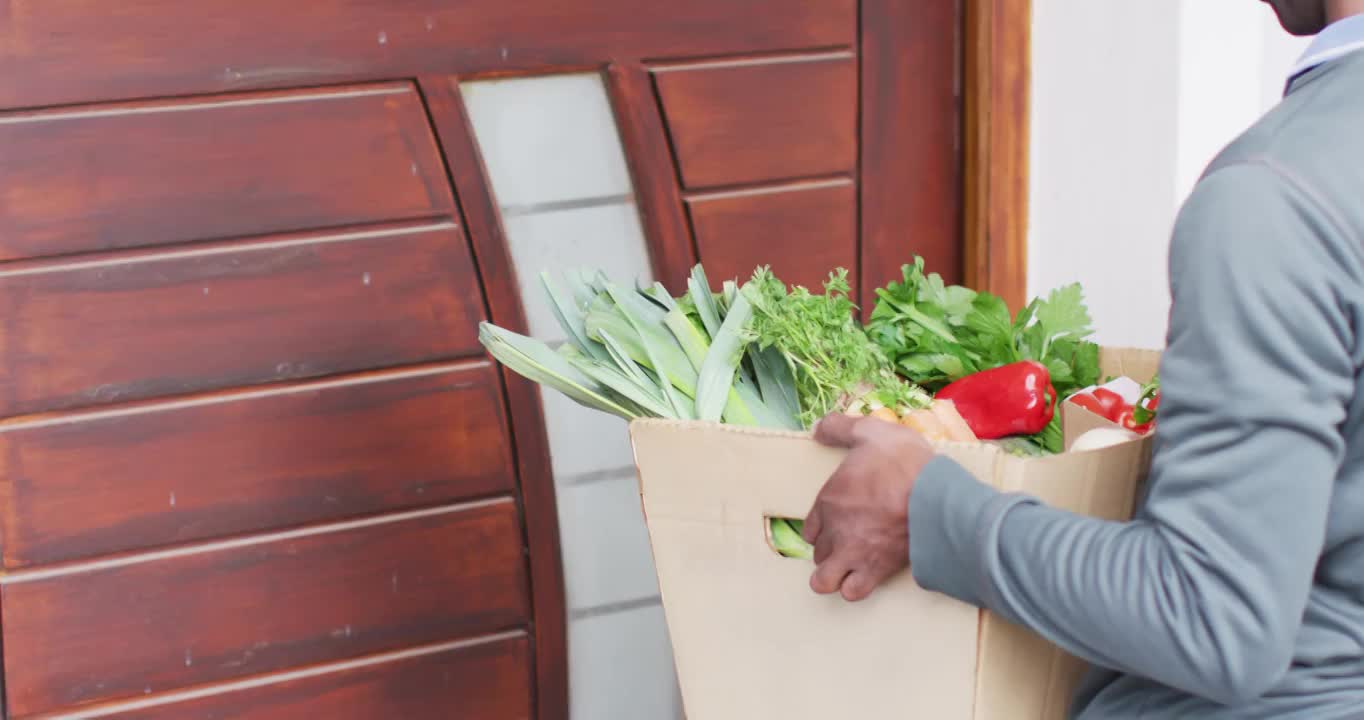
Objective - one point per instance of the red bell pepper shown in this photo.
(1016, 399)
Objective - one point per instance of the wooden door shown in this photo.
(253, 461)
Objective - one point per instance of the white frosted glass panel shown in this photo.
(605, 544)
(607, 238)
(558, 172)
(547, 139)
(583, 441)
(622, 667)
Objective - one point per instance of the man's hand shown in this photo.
(859, 523)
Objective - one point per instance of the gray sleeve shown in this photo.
(1205, 589)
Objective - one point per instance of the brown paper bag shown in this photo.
(751, 640)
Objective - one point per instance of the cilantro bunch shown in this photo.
(936, 333)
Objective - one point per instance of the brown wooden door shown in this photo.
(253, 461)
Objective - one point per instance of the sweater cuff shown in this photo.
(953, 527)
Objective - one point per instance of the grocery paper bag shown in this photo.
(750, 638)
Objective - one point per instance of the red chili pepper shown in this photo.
(1148, 404)
(1124, 418)
(1016, 399)
(1128, 420)
(1143, 416)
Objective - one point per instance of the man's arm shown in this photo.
(1206, 588)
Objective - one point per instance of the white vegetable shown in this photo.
(1101, 438)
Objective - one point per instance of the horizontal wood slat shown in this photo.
(76, 486)
(147, 324)
(65, 51)
(802, 231)
(484, 681)
(130, 175)
(175, 620)
(755, 122)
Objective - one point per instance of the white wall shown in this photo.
(1130, 102)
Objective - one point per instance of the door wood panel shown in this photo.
(911, 149)
(150, 324)
(138, 174)
(752, 121)
(486, 680)
(79, 485)
(156, 623)
(802, 231)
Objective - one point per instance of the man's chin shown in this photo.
(1300, 17)
(1304, 29)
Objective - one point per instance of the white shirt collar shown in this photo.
(1339, 39)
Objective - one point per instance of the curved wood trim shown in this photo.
(653, 171)
(483, 224)
(997, 47)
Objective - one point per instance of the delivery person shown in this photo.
(1238, 589)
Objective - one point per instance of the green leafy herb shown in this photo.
(937, 333)
(830, 356)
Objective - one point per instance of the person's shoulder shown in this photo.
(1312, 140)
(1255, 216)
(1251, 225)
(1234, 202)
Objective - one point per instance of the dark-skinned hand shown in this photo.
(859, 522)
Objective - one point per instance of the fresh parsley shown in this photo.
(936, 333)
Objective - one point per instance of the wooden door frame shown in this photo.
(996, 46)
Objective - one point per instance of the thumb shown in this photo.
(812, 525)
(836, 430)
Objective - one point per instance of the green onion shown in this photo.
(717, 371)
(698, 289)
(787, 540)
(570, 317)
(534, 360)
(643, 394)
(655, 349)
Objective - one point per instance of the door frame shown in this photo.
(997, 49)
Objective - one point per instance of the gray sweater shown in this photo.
(1237, 591)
